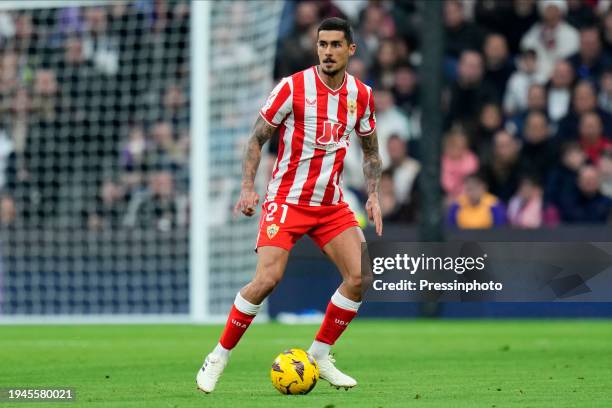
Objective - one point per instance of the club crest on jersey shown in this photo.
(351, 106)
(272, 230)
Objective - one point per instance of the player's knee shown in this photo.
(354, 281)
(267, 283)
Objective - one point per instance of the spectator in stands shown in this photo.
(458, 161)
(394, 211)
(175, 107)
(604, 100)
(510, 18)
(133, 158)
(373, 21)
(560, 91)
(382, 71)
(562, 181)
(9, 66)
(469, 92)
(539, 151)
(590, 60)
(388, 197)
(489, 122)
(404, 169)
(46, 95)
(6, 151)
(26, 37)
(99, 46)
(592, 139)
(588, 205)
(389, 120)
(17, 126)
(8, 211)
(552, 38)
(503, 170)
(607, 31)
(498, 64)
(78, 76)
(517, 90)
(476, 208)
(42, 155)
(160, 206)
(166, 152)
(605, 169)
(580, 14)
(109, 208)
(584, 100)
(536, 101)
(405, 90)
(358, 69)
(461, 35)
(526, 207)
(297, 50)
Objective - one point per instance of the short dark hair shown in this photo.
(337, 24)
(479, 177)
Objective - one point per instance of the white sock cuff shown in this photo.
(245, 306)
(344, 303)
(219, 350)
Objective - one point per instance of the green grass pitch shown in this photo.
(398, 363)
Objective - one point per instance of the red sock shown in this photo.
(335, 322)
(237, 324)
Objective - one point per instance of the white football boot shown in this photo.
(329, 372)
(209, 374)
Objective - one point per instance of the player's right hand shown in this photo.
(247, 203)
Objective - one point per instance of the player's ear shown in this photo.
(352, 49)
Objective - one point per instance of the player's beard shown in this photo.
(332, 72)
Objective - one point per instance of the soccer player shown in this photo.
(315, 111)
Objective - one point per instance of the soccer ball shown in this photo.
(294, 371)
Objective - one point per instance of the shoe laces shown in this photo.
(213, 365)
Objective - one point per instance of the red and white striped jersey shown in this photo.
(314, 126)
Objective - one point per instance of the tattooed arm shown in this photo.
(261, 133)
(372, 170)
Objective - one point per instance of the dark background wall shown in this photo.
(310, 279)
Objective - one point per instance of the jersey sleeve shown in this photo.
(367, 123)
(279, 103)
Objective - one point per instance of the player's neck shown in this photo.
(333, 82)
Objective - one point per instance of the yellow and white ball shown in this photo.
(294, 371)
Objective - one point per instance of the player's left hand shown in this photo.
(374, 213)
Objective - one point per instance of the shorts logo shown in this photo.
(272, 230)
(351, 105)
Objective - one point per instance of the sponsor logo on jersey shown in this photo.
(330, 134)
(272, 230)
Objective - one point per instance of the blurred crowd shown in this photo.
(94, 128)
(527, 105)
(94, 105)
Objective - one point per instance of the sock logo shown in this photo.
(239, 324)
(341, 322)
